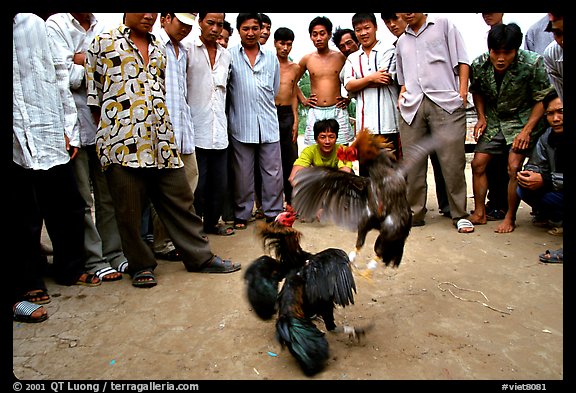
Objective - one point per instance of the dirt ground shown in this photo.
(474, 306)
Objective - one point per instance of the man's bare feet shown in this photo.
(477, 219)
(506, 226)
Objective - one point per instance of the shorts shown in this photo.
(497, 145)
(345, 133)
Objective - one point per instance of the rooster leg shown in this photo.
(352, 255)
(354, 332)
(370, 268)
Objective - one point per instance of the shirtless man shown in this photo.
(324, 66)
(287, 105)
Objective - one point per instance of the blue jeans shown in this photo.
(549, 204)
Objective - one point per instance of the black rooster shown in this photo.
(363, 203)
(314, 284)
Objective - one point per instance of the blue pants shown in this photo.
(548, 204)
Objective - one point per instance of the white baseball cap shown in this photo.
(187, 19)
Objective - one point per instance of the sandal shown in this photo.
(108, 274)
(464, 226)
(173, 255)
(259, 214)
(219, 265)
(38, 296)
(88, 280)
(123, 267)
(23, 312)
(144, 279)
(221, 230)
(240, 224)
(552, 256)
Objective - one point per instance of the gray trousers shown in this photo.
(102, 242)
(173, 200)
(270, 167)
(450, 131)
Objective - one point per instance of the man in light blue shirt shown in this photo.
(253, 122)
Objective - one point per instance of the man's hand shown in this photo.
(522, 140)
(342, 102)
(530, 180)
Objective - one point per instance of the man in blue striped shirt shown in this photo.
(253, 122)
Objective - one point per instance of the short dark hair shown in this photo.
(283, 34)
(322, 21)
(362, 17)
(325, 126)
(505, 37)
(265, 19)
(241, 18)
(202, 15)
(385, 16)
(339, 32)
(549, 98)
(228, 27)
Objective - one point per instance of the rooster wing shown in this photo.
(329, 278)
(340, 196)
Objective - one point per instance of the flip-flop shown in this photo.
(104, 273)
(140, 279)
(552, 256)
(89, 281)
(24, 310)
(464, 224)
(219, 265)
(40, 294)
(240, 224)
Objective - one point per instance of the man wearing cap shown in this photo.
(176, 27)
(125, 71)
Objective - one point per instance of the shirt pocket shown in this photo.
(265, 79)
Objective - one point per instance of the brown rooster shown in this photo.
(363, 203)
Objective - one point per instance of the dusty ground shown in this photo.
(431, 319)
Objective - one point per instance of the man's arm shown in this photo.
(464, 76)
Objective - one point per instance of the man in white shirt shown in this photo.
(42, 183)
(71, 34)
(207, 79)
(369, 74)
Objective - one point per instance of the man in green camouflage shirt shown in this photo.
(508, 85)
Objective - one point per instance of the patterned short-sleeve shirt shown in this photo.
(134, 128)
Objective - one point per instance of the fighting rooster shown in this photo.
(314, 284)
(363, 203)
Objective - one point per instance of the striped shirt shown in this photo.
(554, 62)
(176, 93)
(69, 38)
(43, 107)
(252, 116)
(135, 128)
(375, 106)
(427, 63)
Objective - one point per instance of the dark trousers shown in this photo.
(212, 184)
(497, 174)
(172, 198)
(288, 149)
(51, 196)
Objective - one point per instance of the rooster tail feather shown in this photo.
(305, 342)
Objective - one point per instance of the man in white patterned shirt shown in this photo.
(253, 122)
